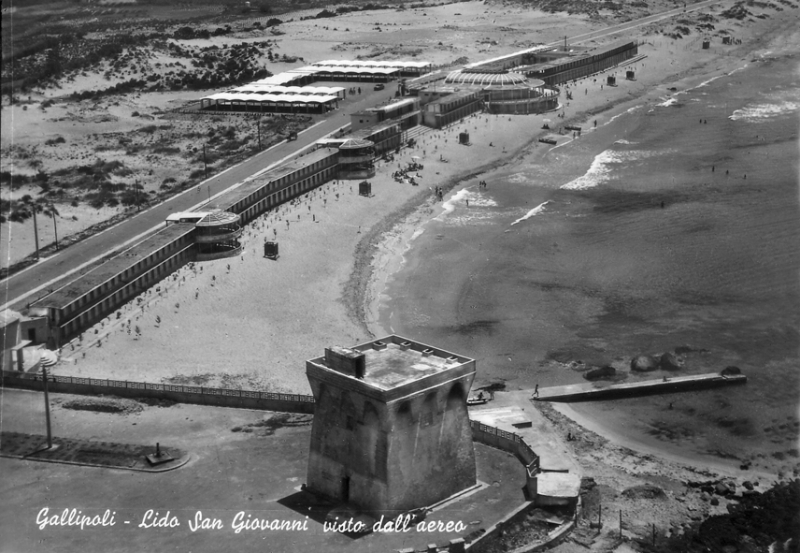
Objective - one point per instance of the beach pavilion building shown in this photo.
(500, 91)
(289, 92)
(275, 99)
(357, 159)
(217, 232)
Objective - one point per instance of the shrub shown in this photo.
(184, 33)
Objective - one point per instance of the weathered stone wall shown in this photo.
(396, 456)
(431, 453)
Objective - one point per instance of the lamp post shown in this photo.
(47, 409)
(49, 359)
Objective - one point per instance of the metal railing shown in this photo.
(111, 385)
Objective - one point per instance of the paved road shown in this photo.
(628, 25)
(32, 283)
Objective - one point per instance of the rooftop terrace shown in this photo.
(390, 362)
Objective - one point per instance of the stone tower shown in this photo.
(391, 430)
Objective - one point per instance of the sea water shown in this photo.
(676, 226)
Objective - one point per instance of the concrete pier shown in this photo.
(666, 385)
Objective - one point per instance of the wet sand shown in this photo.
(569, 256)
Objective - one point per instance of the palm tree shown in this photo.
(49, 209)
(43, 206)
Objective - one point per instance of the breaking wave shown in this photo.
(599, 172)
(761, 112)
(462, 196)
(535, 211)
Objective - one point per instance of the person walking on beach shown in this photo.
(536, 391)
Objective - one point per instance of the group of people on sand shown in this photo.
(482, 184)
(402, 175)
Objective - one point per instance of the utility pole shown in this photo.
(205, 162)
(600, 515)
(55, 228)
(35, 230)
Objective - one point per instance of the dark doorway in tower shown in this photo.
(345, 489)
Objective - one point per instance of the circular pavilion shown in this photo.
(356, 159)
(486, 77)
(506, 91)
(217, 235)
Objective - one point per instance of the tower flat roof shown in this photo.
(395, 366)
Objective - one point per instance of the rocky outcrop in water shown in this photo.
(643, 363)
(600, 373)
(670, 362)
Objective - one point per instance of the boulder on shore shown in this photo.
(728, 371)
(670, 362)
(643, 363)
(599, 373)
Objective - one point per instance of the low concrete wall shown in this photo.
(221, 397)
(666, 385)
(508, 441)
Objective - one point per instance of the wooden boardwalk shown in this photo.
(595, 390)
